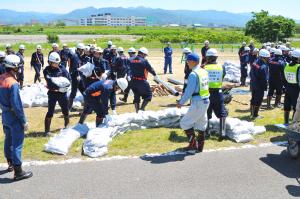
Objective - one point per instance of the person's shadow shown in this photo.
(172, 156)
(287, 167)
(5, 180)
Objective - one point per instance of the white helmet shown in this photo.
(255, 50)
(244, 43)
(283, 48)
(268, 48)
(296, 53)
(206, 42)
(264, 53)
(39, 47)
(2, 54)
(186, 50)
(144, 50)
(98, 50)
(54, 57)
(8, 45)
(122, 83)
(22, 47)
(272, 50)
(80, 46)
(12, 61)
(87, 48)
(120, 49)
(110, 43)
(211, 53)
(65, 45)
(247, 48)
(114, 47)
(55, 45)
(277, 52)
(131, 50)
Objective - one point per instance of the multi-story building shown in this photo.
(108, 20)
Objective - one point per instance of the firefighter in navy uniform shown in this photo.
(107, 51)
(13, 118)
(139, 68)
(77, 59)
(97, 95)
(276, 77)
(187, 70)
(132, 55)
(2, 65)
(20, 54)
(244, 58)
(101, 65)
(37, 62)
(64, 55)
(291, 83)
(55, 92)
(204, 49)
(259, 81)
(215, 74)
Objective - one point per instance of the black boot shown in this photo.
(200, 141)
(66, 120)
(137, 107)
(255, 112)
(193, 144)
(20, 174)
(99, 120)
(251, 111)
(124, 99)
(207, 133)
(222, 127)
(83, 116)
(286, 117)
(144, 104)
(278, 101)
(47, 126)
(10, 167)
(269, 98)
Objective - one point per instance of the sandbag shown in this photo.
(61, 82)
(61, 143)
(87, 69)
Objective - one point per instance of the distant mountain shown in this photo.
(156, 16)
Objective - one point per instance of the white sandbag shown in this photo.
(87, 69)
(243, 138)
(232, 72)
(61, 82)
(259, 130)
(61, 143)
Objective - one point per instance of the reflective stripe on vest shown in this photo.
(290, 73)
(215, 74)
(203, 82)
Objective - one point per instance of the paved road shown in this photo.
(246, 173)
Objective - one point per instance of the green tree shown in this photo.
(265, 27)
(52, 38)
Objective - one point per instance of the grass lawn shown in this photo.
(158, 140)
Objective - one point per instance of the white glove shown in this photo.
(185, 81)
(104, 76)
(63, 90)
(25, 126)
(128, 78)
(78, 78)
(156, 78)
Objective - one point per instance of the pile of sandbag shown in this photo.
(36, 96)
(232, 72)
(98, 138)
(238, 130)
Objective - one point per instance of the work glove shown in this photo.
(185, 81)
(78, 78)
(104, 76)
(25, 126)
(156, 78)
(128, 78)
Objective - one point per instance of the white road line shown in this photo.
(172, 153)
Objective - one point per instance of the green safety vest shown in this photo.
(215, 75)
(290, 73)
(203, 82)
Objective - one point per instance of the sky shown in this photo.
(287, 8)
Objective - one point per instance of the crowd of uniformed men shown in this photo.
(274, 67)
